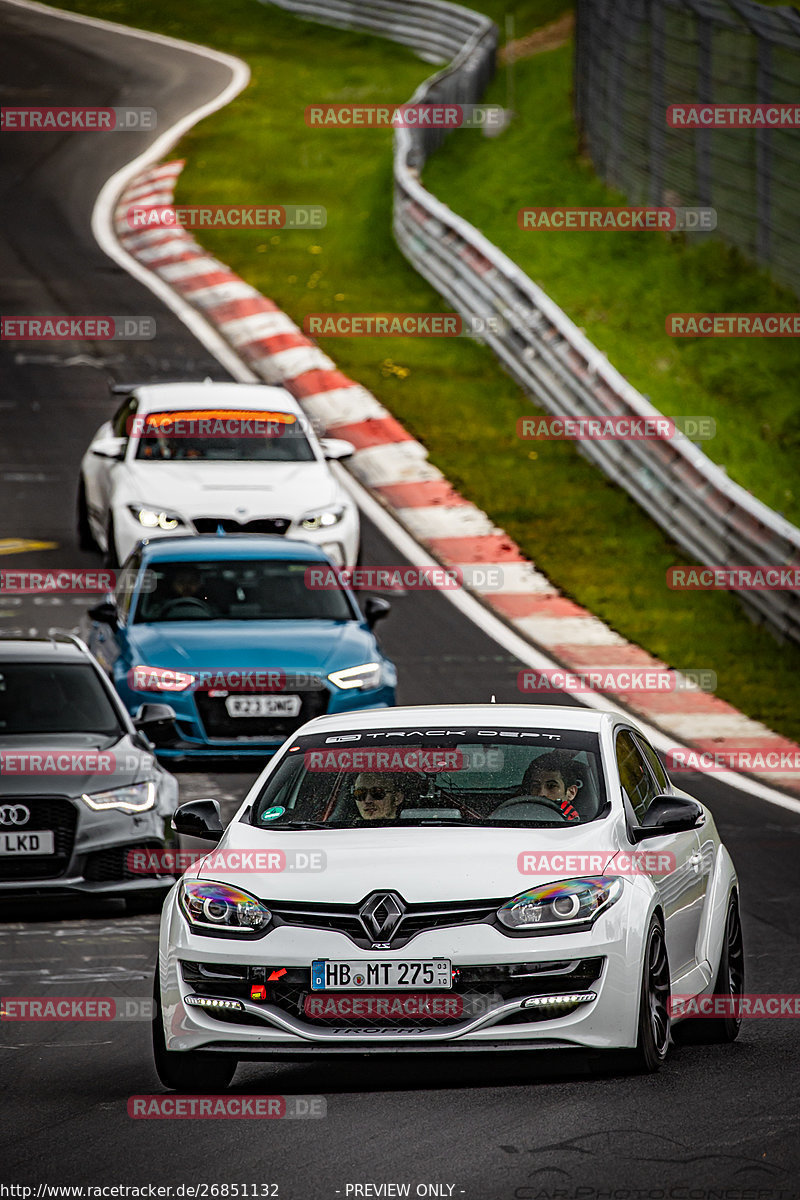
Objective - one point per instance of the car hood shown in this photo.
(252, 645)
(422, 864)
(227, 489)
(131, 764)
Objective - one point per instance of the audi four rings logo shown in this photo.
(14, 814)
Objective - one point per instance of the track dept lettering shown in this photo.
(596, 428)
(385, 760)
(57, 1008)
(766, 1004)
(596, 862)
(733, 325)
(383, 579)
(384, 1006)
(740, 579)
(383, 324)
(742, 758)
(57, 762)
(734, 116)
(24, 583)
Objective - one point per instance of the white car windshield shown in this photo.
(222, 436)
(451, 777)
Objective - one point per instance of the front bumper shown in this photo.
(602, 974)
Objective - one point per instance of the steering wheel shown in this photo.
(187, 602)
(542, 801)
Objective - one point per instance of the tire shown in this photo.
(187, 1070)
(86, 539)
(729, 982)
(110, 558)
(653, 1028)
(144, 902)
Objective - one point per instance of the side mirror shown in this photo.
(110, 447)
(334, 448)
(106, 613)
(375, 609)
(669, 814)
(198, 819)
(156, 722)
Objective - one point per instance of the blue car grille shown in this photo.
(218, 723)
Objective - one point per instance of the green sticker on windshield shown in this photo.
(272, 814)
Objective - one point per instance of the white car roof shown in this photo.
(170, 397)
(489, 716)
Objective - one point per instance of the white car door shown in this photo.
(682, 882)
(98, 470)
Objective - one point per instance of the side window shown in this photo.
(122, 416)
(655, 763)
(633, 773)
(125, 582)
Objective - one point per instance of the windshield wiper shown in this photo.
(297, 825)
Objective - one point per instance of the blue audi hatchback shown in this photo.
(240, 639)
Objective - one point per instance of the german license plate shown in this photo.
(263, 706)
(339, 975)
(32, 841)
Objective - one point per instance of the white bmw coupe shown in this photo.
(184, 458)
(448, 878)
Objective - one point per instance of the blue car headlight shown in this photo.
(364, 676)
(209, 906)
(563, 905)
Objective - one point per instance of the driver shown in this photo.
(378, 797)
(183, 584)
(554, 777)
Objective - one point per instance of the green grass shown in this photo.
(592, 540)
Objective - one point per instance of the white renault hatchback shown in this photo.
(184, 458)
(442, 879)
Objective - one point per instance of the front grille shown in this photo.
(110, 866)
(277, 525)
(219, 724)
(47, 812)
(418, 918)
(478, 988)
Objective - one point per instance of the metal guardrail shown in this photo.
(710, 517)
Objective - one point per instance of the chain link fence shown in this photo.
(635, 58)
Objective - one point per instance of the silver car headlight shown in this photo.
(322, 518)
(562, 905)
(365, 676)
(135, 798)
(208, 905)
(155, 518)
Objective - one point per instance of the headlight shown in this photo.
(565, 904)
(323, 519)
(136, 798)
(155, 518)
(159, 679)
(367, 675)
(210, 905)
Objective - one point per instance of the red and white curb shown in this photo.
(395, 468)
